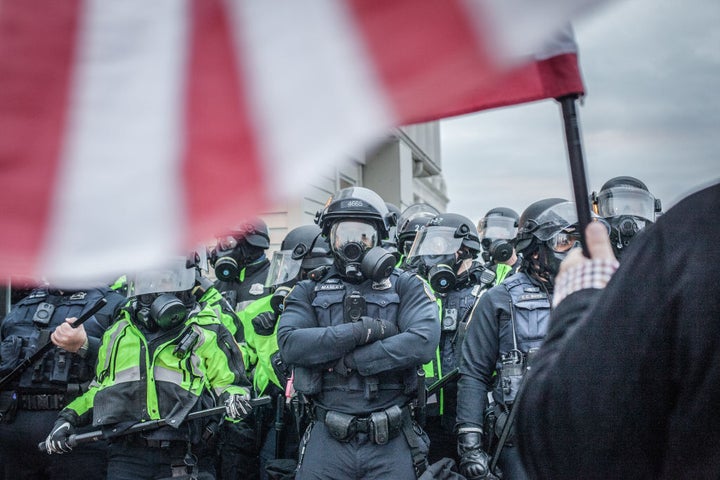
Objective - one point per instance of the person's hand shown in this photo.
(345, 365)
(238, 406)
(598, 245)
(369, 330)
(474, 462)
(68, 338)
(264, 323)
(57, 440)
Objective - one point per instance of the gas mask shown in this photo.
(433, 255)
(163, 296)
(623, 229)
(357, 255)
(498, 251)
(231, 256)
(552, 252)
(497, 233)
(162, 311)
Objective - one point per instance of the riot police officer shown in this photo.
(510, 320)
(241, 268)
(627, 205)
(30, 403)
(497, 231)
(444, 254)
(302, 251)
(411, 220)
(240, 263)
(163, 356)
(355, 337)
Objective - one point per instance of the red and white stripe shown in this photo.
(133, 129)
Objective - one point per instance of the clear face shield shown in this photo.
(626, 201)
(559, 217)
(434, 245)
(172, 276)
(496, 227)
(283, 268)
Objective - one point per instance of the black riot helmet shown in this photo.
(355, 220)
(628, 207)
(302, 250)
(410, 222)
(238, 247)
(497, 231)
(442, 247)
(547, 230)
(390, 243)
(356, 203)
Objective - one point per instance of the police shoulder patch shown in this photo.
(428, 291)
(383, 284)
(256, 289)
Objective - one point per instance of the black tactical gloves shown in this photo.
(264, 323)
(237, 406)
(368, 330)
(474, 462)
(58, 439)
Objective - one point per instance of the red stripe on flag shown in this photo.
(223, 178)
(37, 48)
(434, 65)
(552, 78)
(425, 53)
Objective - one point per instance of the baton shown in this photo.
(96, 435)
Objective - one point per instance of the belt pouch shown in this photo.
(340, 425)
(379, 431)
(395, 419)
(8, 406)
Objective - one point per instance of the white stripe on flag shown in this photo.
(520, 29)
(119, 201)
(308, 77)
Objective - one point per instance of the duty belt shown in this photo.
(381, 426)
(139, 440)
(42, 401)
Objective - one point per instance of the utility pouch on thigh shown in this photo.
(8, 406)
(307, 381)
(340, 425)
(10, 350)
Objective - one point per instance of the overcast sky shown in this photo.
(652, 110)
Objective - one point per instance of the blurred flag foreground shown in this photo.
(132, 129)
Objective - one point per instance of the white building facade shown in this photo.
(405, 169)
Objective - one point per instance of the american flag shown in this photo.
(134, 128)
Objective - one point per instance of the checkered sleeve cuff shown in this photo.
(590, 274)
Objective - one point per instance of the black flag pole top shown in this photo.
(577, 164)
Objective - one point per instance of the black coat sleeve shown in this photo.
(480, 351)
(418, 337)
(301, 339)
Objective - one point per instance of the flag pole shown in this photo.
(577, 164)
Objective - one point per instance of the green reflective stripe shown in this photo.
(111, 341)
(242, 306)
(121, 282)
(501, 272)
(242, 275)
(131, 374)
(167, 375)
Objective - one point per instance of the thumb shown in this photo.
(598, 242)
